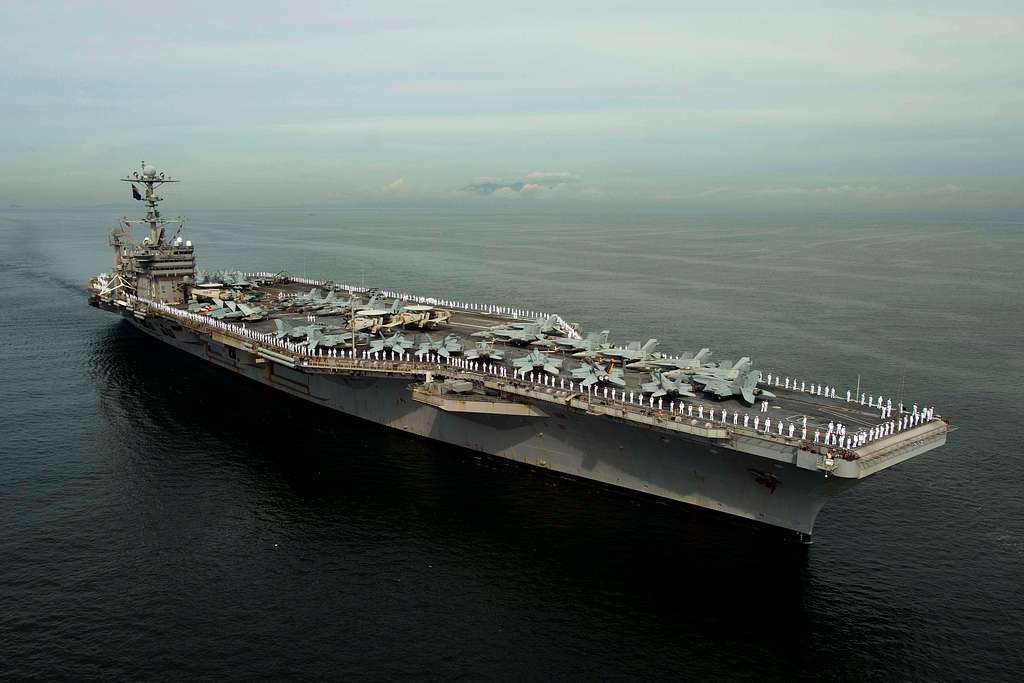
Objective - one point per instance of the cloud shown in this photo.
(494, 186)
(862, 191)
(534, 184)
(551, 177)
(865, 193)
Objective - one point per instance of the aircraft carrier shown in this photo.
(522, 385)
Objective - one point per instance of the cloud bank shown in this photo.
(535, 183)
(863, 104)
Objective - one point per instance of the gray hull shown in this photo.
(678, 467)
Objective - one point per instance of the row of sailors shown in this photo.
(479, 308)
(490, 309)
(835, 434)
(813, 389)
(830, 392)
(448, 303)
(240, 330)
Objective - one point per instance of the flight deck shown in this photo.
(815, 415)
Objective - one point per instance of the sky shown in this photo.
(767, 105)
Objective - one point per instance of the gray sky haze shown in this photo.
(821, 105)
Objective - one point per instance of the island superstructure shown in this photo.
(522, 385)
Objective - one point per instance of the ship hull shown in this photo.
(561, 439)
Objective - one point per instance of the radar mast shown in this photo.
(158, 268)
(150, 179)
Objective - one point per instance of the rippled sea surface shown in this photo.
(161, 517)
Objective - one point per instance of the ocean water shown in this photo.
(159, 517)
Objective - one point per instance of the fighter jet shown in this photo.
(225, 310)
(484, 350)
(315, 338)
(592, 373)
(321, 306)
(686, 362)
(726, 370)
(233, 278)
(252, 314)
(662, 385)
(303, 299)
(519, 337)
(230, 310)
(538, 360)
(549, 325)
(223, 278)
(287, 331)
(339, 307)
(522, 333)
(632, 353)
(444, 348)
(594, 342)
(744, 386)
(397, 342)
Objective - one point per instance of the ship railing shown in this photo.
(542, 384)
(659, 412)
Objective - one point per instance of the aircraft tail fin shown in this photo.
(748, 385)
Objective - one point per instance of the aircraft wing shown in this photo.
(716, 386)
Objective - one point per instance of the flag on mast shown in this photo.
(135, 192)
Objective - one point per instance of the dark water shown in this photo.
(160, 517)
